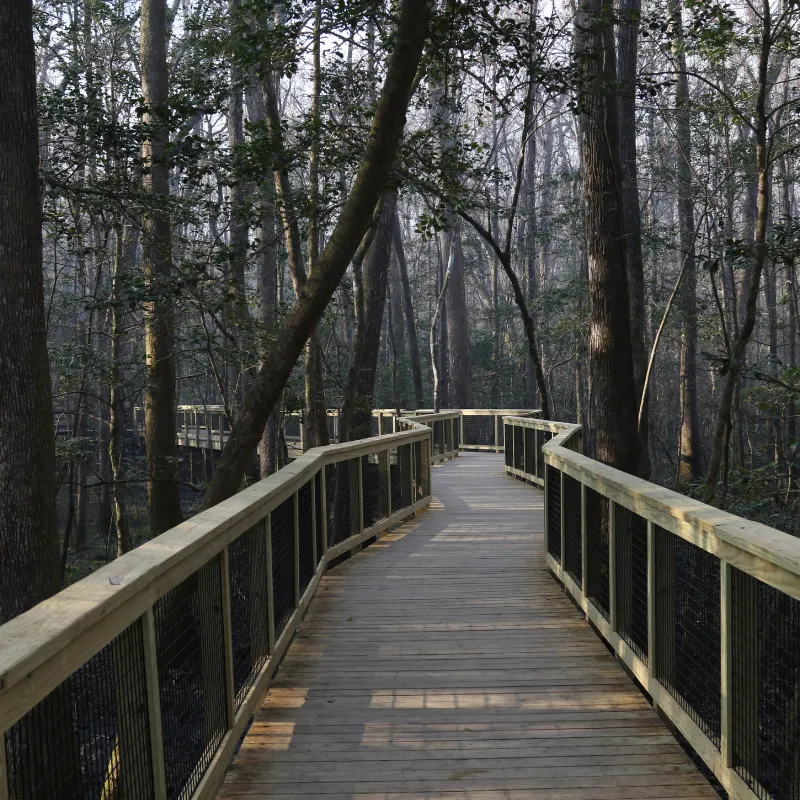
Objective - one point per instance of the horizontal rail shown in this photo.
(702, 606)
(139, 679)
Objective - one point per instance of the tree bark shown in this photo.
(353, 222)
(408, 313)
(29, 551)
(159, 406)
(627, 57)
(462, 394)
(613, 390)
(689, 449)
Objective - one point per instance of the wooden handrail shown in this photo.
(743, 548)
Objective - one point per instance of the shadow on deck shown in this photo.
(445, 662)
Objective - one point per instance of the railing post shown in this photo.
(584, 542)
(536, 455)
(360, 495)
(563, 527)
(652, 655)
(154, 704)
(726, 663)
(323, 507)
(314, 548)
(4, 790)
(612, 566)
(461, 429)
(496, 433)
(296, 499)
(385, 461)
(227, 635)
(545, 489)
(270, 587)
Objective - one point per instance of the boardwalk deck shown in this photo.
(445, 663)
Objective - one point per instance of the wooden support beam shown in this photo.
(154, 705)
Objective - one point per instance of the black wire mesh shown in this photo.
(338, 499)
(374, 426)
(501, 431)
(438, 437)
(688, 628)
(597, 554)
(371, 489)
(766, 687)
(554, 512)
(479, 430)
(305, 520)
(519, 448)
(247, 559)
(447, 431)
(400, 469)
(509, 448)
(630, 532)
(90, 737)
(420, 478)
(319, 531)
(573, 547)
(191, 672)
(542, 437)
(283, 575)
(530, 452)
(456, 433)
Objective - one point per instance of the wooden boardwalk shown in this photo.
(445, 663)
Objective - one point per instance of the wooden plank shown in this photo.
(445, 660)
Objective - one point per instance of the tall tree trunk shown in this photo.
(398, 331)
(462, 394)
(29, 551)
(442, 391)
(353, 222)
(753, 274)
(627, 57)
(408, 313)
(689, 449)
(613, 391)
(159, 406)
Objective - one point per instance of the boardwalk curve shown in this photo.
(445, 662)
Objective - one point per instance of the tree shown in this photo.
(613, 409)
(353, 222)
(29, 551)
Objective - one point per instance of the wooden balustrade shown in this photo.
(139, 680)
(703, 607)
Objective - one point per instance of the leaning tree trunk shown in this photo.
(159, 404)
(353, 222)
(613, 393)
(627, 36)
(29, 551)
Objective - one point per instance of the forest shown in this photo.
(287, 207)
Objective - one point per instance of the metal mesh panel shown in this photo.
(573, 556)
(283, 576)
(400, 474)
(631, 578)
(479, 430)
(597, 561)
(374, 426)
(542, 437)
(305, 521)
(419, 480)
(319, 532)
(247, 559)
(90, 732)
(438, 438)
(338, 499)
(766, 687)
(530, 452)
(191, 671)
(371, 490)
(447, 428)
(456, 433)
(688, 628)
(501, 431)
(519, 448)
(554, 512)
(509, 449)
